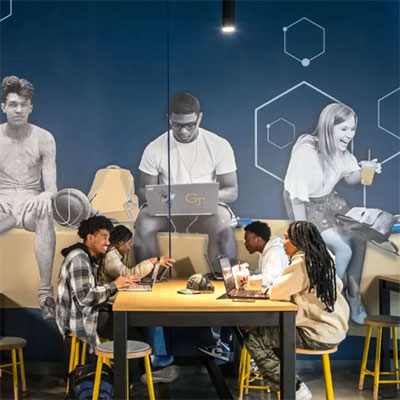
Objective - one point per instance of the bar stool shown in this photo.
(75, 355)
(135, 349)
(380, 321)
(14, 344)
(326, 365)
(246, 374)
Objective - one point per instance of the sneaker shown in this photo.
(48, 309)
(357, 310)
(162, 361)
(220, 351)
(303, 392)
(165, 375)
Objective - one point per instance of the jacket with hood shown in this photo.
(79, 298)
(272, 261)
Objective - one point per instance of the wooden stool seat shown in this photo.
(326, 363)
(135, 349)
(387, 321)
(11, 342)
(380, 322)
(14, 344)
(316, 352)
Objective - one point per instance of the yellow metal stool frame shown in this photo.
(14, 344)
(75, 354)
(105, 355)
(326, 363)
(246, 374)
(380, 321)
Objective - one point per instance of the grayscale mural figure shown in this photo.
(318, 162)
(196, 156)
(27, 157)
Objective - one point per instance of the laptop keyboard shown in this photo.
(137, 286)
(250, 293)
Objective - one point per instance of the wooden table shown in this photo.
(165, 307)
(387, 283)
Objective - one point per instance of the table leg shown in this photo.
(120, 365)
(384, 309)
(218, 380)
(288, 360)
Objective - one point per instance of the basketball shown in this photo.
(70, 208)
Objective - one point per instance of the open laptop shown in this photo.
(229, 282)
(186, 199)
(144, 286)
(217, 275)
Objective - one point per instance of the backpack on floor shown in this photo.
(81, 382)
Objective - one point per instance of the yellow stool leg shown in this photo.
(242, 373)
(22, 369)
(149, 377)
(15, 372)
(365, 357)
(71, 360)
(97, 379)
(328, 377)
(377, 362)
(241, 363)
(248, 372)
(395, 356)
(83, 355)
(77, 348)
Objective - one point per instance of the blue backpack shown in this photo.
(81, 382)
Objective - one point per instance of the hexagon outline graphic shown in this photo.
(9, 14)
(305, 62)
(379, 113)
(271, 101)
(289, 123)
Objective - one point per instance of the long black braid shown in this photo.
(319, 263)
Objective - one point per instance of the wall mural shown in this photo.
(294, 113)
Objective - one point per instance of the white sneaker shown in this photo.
(303, 393)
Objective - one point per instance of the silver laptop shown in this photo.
(143, 286)
(217, 275)
(186, 199)
(229, 282)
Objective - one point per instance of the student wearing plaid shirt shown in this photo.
(80, 300)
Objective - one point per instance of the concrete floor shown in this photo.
(194, 383)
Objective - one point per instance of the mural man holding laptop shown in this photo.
(197, 157)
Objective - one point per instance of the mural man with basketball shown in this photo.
(27, 157)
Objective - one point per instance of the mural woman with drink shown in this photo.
(318, 162)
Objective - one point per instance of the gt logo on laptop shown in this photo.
(194, 198)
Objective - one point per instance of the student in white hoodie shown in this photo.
(310, 281)
(272, 258)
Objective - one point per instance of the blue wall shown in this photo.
(101, 74)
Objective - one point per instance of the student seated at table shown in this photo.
(310, 281)
(81, 300)
(272, 260)
(114, 265)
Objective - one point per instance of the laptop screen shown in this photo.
(227, 274)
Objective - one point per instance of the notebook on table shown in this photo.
(229, 282)
(143, 286)
(186, 199)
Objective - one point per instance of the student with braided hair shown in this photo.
(113, 265)
(310, 281)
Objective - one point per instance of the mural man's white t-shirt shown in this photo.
(199, 161)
